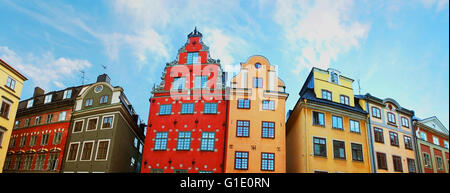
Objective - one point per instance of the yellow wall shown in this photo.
(386, 147)
(14, 97)
(300, 131)
(256, 115)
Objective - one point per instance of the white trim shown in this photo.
(107, 151)
(75, 123)
(76, 154)
(96, 125)
(92, 150)
(103, 119)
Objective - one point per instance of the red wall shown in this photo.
(426, 149)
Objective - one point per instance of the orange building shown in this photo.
(256, 141)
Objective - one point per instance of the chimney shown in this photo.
(38, 91)
(103, 78)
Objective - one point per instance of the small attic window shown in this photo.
(334, 77)
(257, 65)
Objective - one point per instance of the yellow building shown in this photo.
(256, 141)
(326, 130)
(11, 82)
(391, 135)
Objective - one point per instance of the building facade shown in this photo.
(187, 119)
(105, 135)
(256, 139)
(391, 135)
(326, 130)
(10, 90)
(40, 131)
(431, 137)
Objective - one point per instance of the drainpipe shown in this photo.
(416, 145)
(369, 134)
(306, 140)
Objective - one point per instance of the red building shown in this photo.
(39, 136)
(187, 119)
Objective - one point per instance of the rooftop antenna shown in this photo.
(359, 88)
(82, 77)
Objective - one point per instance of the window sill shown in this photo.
(11, 89)
(318, 125)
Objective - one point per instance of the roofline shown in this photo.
(13, 70)
(371, 98)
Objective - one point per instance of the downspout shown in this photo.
(306, 140)
(369, 134)
(225, 150)
(416, 145)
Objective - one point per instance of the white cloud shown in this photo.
(319, 31)
(440, 4)
(45, 70)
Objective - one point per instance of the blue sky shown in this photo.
(396, 49)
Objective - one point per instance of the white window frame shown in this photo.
(436, 140)
(424, 137)
(59, 115)
(96, 125)
(112, 121)
(82, 150)
(76, 154)
(66, 95)
(75, 123)
(12, 83)
(30, 103)
(48, 98)
(107, 152)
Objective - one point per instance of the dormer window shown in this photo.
(30, 103)
(67, 94)
(334, 77)
(48, 99)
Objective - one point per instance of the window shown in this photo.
(57, 138)
(16, 124)
(268, 129)
(107, 122)
(30, 103)
(241, 160)
(408, 142)
(326, 95)
(318, 119)
(136, 142)
(37, 120)
(6, 105)
(376, 112)
(104, 99)
(268, 105)
(161, 141)
(48, 99)
(208, 139)
(394, 138)
(28, 162)
(18, 162)
(435, 140)
(334, 77)
(86, 152)
(427, 160)
(44, 139)
(242, 128)
(391, 118)
(27, 122)
(339, 149)
(23, 140)
(184, 140)
(187, 108)
(165, 109)
(267, 161)
(178, 83)
(423, 135)
(73, 151)
(92, 124)
(320, 148)
(2, 133)
(11, 83)
(439, 163)
(193, 58)
(337, 122)
(53, 162)
(210, 108)
(62, 116)
(33, 140)
(12, 143)
(397, 160)
(49, 118)
(200, 81)
(154, 170)
(405, 122)
(411, 165)
(354, 126)
(132, 161)
(244, 104)
(379, 137)
(357, 153)
(40, 160)
(78, 126)
(381, 161)
(257, 82)
(446, 144)
(67, 94)
(89, 102)
(102, 150)
(344, 99)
